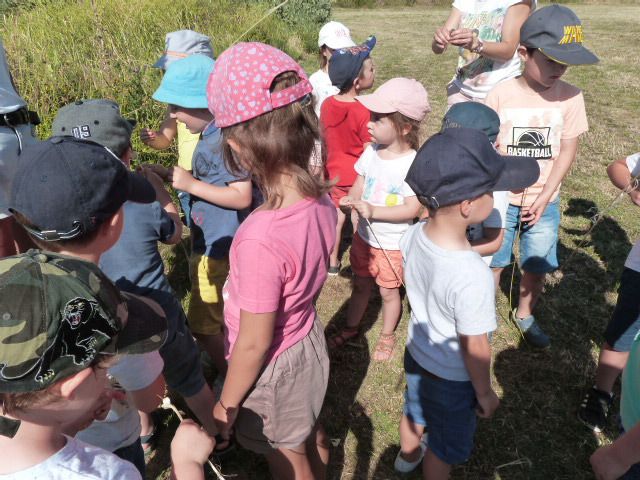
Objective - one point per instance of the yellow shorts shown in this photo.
(208, 275)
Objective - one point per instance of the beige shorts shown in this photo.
(282, 409)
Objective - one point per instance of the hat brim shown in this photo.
(518, 174)
(574, 56)
(339, 43)
(145, 329)
(140, 189)
(375, 103)
(173, 98)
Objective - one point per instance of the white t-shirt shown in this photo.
(451, 293)
(384, 185)
(79, 460)
(122, 426)
(496, 219)
(476, 74)
(633, 259)
(322, 88)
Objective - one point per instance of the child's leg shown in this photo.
(357, 306)
(531, 286)
(333, 258)
(290, 464)
(610, 366)
(317, 446)
(391, 309)
(433, 468)
(497, 274)
(410, 439)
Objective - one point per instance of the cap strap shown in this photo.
(176, 54)
(291, 94)
(54, 235)
(8, 426)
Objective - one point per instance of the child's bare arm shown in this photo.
(163, 137)
(398, 213)
(248, 357)
(236, 195)
(559, 170)
(490, 243)
(163, 197)
(476, 353)
(612, 461)
(620, 176)
(190, 449)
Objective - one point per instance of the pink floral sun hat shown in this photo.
(238, 87)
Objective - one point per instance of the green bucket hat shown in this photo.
(58, 313)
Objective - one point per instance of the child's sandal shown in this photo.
(384, 348)
(342, 337)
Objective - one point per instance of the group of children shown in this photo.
(85, 351)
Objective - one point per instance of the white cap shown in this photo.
(335, 35)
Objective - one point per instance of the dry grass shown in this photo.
(535, 433)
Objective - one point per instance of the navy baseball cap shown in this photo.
(557, 32)
(345, 63)
(473, 115)
(461, 164)
(65, 187)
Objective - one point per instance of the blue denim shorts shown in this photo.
(538, 243)
(446, 408)
(625, 321)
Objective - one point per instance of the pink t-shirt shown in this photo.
(533, 125)
(278, 263)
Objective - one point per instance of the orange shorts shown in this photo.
(336, 193)
(368, 261)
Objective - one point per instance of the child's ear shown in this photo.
(522, 52)
(68, 387)
(465, 207)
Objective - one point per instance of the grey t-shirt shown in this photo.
(10, 101)
(451, 293)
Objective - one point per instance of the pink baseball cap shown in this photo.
(404, 95)
(238, 87)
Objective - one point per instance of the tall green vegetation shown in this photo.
(63, 50)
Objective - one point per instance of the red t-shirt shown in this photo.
(344, 126)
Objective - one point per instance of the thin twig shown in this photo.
(167, 405)
(386, 255)
(270, 12)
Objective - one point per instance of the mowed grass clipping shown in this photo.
(535, 433)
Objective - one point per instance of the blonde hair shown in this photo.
(399, 122)
(275, 143)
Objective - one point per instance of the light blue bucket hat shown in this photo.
(181, 44)
(185, 82)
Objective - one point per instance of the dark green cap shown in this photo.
(97, 120)
(57, 313)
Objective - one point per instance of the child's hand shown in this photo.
(487, 404)
(462, 37)
(191, 444)
(147, 135)
(535, 211)
(635, 196)
(180, 178)
(159, 170)
(364, 209)
(153, 178)
(224, 417)
(441, 37)
(345, 204)
(606, 465)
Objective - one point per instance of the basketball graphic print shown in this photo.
(530, 142)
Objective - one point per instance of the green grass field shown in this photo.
(535, 433)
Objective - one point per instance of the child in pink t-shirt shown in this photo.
(278, 362)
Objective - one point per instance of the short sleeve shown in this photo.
(260, 273)
(363, 129)
(474, 302)
(362, 165)
(575, 118)
(407, 191)
(498, 216)
(164, 225)
(633, 164)
(135, 372)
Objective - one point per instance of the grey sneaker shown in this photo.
(404, 466)
(531, 331)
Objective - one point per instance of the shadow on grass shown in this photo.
(342, 412)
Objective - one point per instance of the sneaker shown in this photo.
(594, 409)
(403, 466)
(531, 331)
(333, 271)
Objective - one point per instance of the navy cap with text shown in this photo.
(65, 187)
(461, 164)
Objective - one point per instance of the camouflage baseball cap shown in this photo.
(57, 313)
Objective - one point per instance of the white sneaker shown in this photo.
(403, 466)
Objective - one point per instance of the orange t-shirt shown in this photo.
(533, 125)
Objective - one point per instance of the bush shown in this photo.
(61, 51)
(302, 12)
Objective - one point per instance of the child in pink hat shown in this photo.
(274, 341)
(386, 206)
